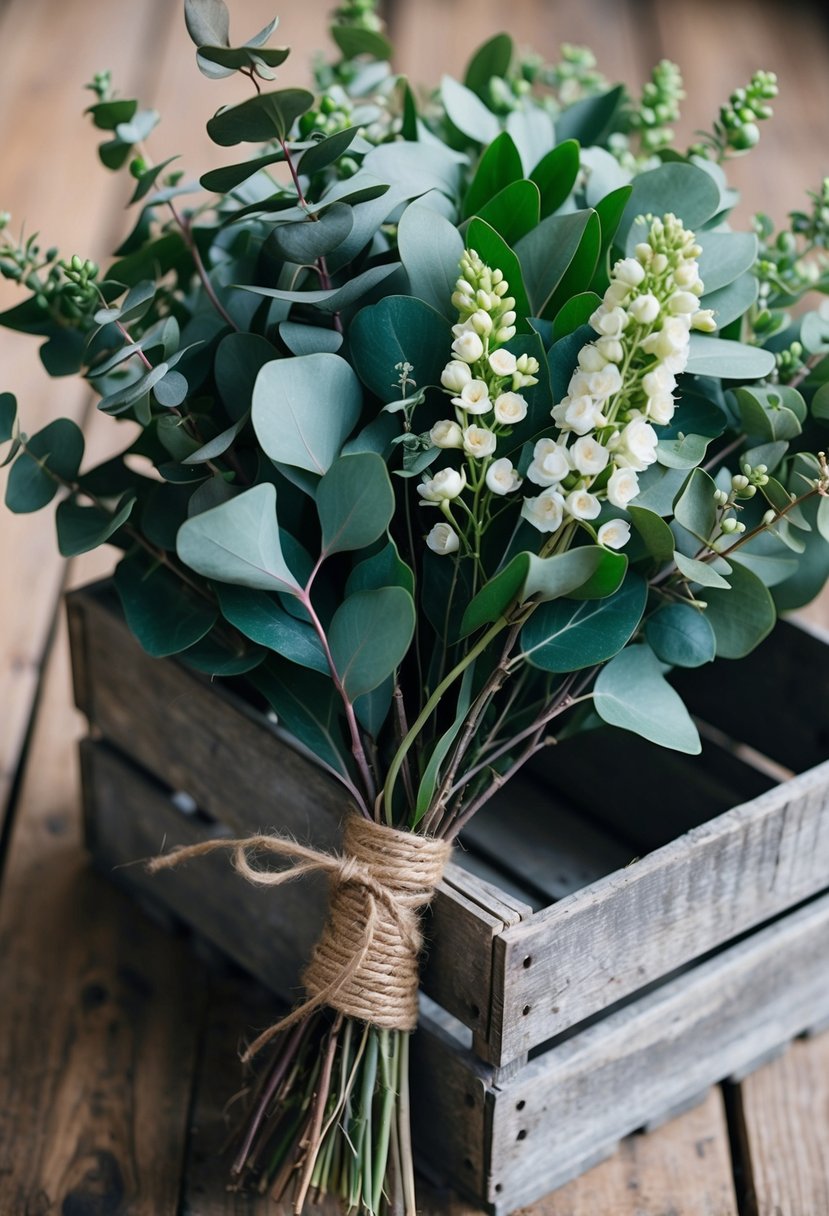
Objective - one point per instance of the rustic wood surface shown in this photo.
(114, 1055)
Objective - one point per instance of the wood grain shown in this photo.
(785, 1129)
(657, 1052)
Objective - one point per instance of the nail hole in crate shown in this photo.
(522, 1135)
(498, 1188)
(526, 1010)
(528, 961)
(520, 1105)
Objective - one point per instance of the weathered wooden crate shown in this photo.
(623, 927)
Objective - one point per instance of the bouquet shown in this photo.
(455, 423)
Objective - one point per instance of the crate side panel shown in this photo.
(612, 938)
(624, 1071)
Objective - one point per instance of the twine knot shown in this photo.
(365, 964)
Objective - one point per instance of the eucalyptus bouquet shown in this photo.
(455, 424)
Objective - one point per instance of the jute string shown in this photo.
(365, 964)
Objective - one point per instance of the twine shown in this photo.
(365, 964)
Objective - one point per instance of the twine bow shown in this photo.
(365, 964)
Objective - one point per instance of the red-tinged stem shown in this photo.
(190, 242)
(322, 265)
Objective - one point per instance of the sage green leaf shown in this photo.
(632, 693)
(239, 360)
(148, 179)
(332, 299)
(353, 40)
(568, 635)
(742, 616)
(220, 61)
(589, 572)
(684, 452)
(546, 253)
(703, 573)
(164, 614)
(383, 569)
(260, 119)
(309, 339)
(305, 408)
(675, 186)
(812, 570)
(467, 112)
(430, 248)
(681, 635)
(725, 256)
(726, 360)
(83, 528)
(610, 209)
(355, 502)
(514, 211)
(171, 390)
(208, 22)
(733, 301)
(491, 59)
(369, 636)
(695, 507)
(773, 413)
(303, 241)
(259, 617)
(590, 119)
(555, 175)
(398, 329)
(238, 542)
(770, 569)
(415, 168)
(658, 487)
(658, 537)
(228, 177)
(532, 131)
(52, 456)
(216, 447)
(494, 250)
(499, 166)
(814, 333)
(326, 151)
(373, 707)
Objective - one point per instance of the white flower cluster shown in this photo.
(483, 380)
(623, 384)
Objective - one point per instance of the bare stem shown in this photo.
(190, 242)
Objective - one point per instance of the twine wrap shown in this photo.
(365, 964)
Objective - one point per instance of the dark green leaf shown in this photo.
(398, 329)
(239, 359)
(107, 115)
(383, 569)
(216, 658)
(369, 636)
(83, 528)
(514, 211)
(353, 41)
(259, 119)
(165, 615)
(53, 454)
(309, 709)
(632, 693)
(742, 616)
(303, 241)
(309, 339)
(695, 507)
(555, 175)
(259, 617)
(497, 254)
(228, 177)
(327, 151)
(575, 313)
(681, 635)
(546, 253)
(63, 354)
(332, 299)
(567, 635)
(658, 537)
(588, 120)
(355, 502)
(500, 164)
(304, 409)
(148, 179)
(491, 59)
(8, 417)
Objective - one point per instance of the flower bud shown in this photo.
(455, 376)
(446, 434)
(645, 309)
(443, 539)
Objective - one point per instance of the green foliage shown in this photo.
(681, 635)
(355, 503)
(632, 693)
(369, 636)
(49, 457)
(567, 635)
(304, 409)
(163, 612)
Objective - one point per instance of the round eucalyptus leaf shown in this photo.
(398, 329)
(681, 635)
(355, 502)
(259, 119)
(83, 528)
(567, 635)
(467, 112)
(51, 456)
(303, 241)
(742, 616)
(239, 359)
(632, 693)
(165, 615)
(259, 617)
(430, 249)
(216, 658)
(171, 390)
(726, 360)
(304, 409)
(369, 636)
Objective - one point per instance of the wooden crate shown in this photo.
(596, 959)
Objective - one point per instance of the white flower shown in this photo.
(544, 512)
(478, 441)
(501, 477)
(605, 383)
(505, 334)
(502, 362)
(455, 376)
(644, 309)
(609, 323)
(617, 293)
(591, 359)
(474, 398)
(643, 252)
(659, 263)
(629, 271)
(622, 487)
(687, 275)
(550, 463)
(481, 322)
(443, 539)
(582, 505)
(683, 302)
(589, 457)
(583, 414)
(661, 408)
(468, 347)
(614, 534)
(703, 320)
(611, 349)
(658, 380)
(671, 339)
(637, 445)
(445, 485)
(510, 408)
(446, 434)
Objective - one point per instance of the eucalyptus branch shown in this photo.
(537, 743)
(402, 727)
(201, 270)
(322, 265)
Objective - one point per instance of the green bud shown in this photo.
(729, 525)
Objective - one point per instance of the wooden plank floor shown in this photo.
(117, 1044)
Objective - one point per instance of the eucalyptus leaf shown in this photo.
(303, 241)
(681, 635)
(383, 569)
(695, 508)
(733, 301)
(369, 636)
(238, 542)
(309, 709)
(657, 536)
(499, 166)
(260, 119)
(725, 257)
(228, 177)
(514, 211)
(164, 614)
(568, 635)
(330, 299)
(354, 40)
(632, 693)
(742, 616)
(686, 190)
(555, 175)
(217, 446)
(260, 617)
(491, 59)
(497, 254)
(467, 112)
(50, 457)
(430, 249)
(700, 572)
(355, 502)
(547, 251)
(239, 359)
(215, 657)
(8, 417)
(589, 119)
(309, 339)
(81, 529)
(208, 22)
(304, 408)
(728, 360)
(326, 151)
(685, 452)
